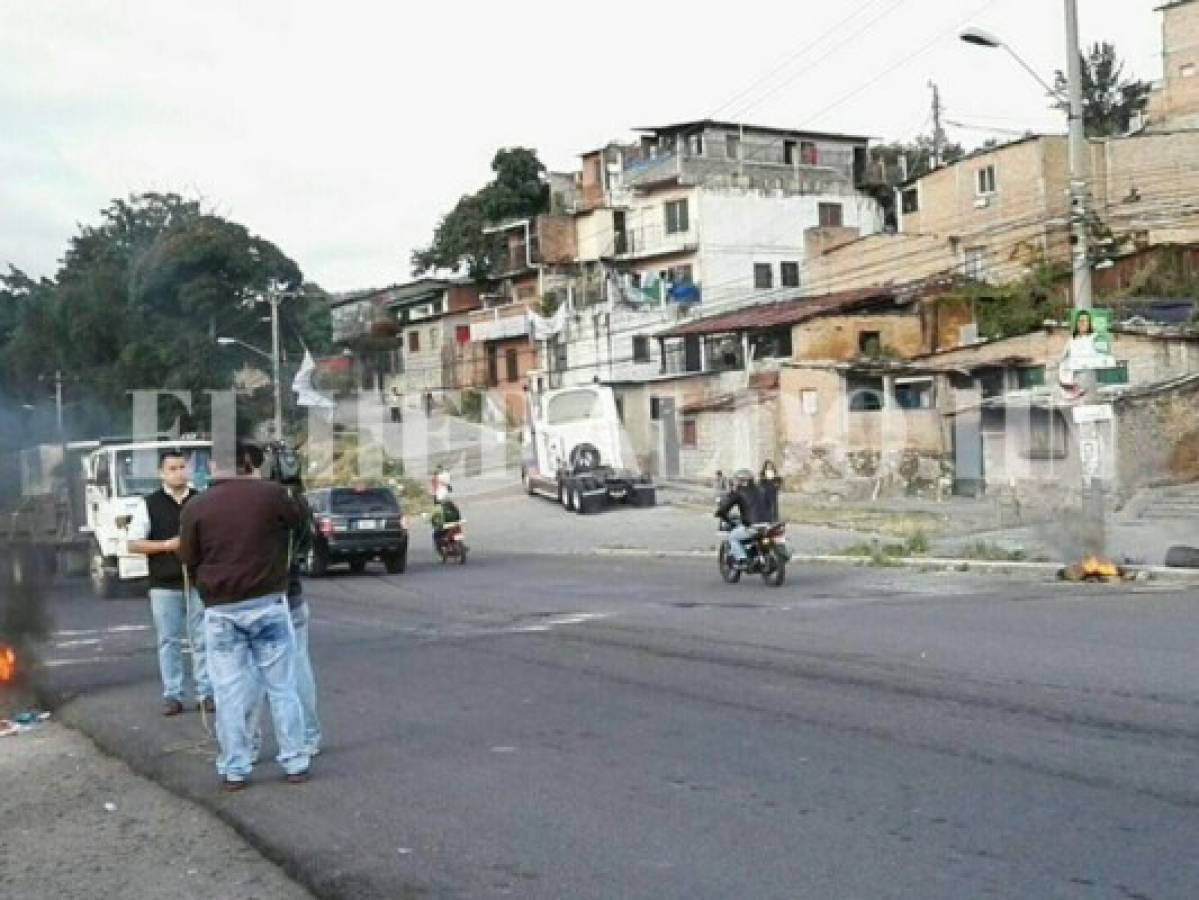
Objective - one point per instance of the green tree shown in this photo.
(137, 304)
(1109, 99)
(517, 189)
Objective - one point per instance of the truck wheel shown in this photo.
(578, 501)
(357, 566)
(644, 498)
(528, 482)
(104, 583)
(564, 494)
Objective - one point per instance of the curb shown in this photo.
(920, 564)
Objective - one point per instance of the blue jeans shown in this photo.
(305, 687)
(248, 642)
(737, 536)
(176, 618)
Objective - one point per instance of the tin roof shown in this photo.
(784, 313)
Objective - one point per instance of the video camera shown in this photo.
(281, 463)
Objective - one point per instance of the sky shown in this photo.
(343, 131)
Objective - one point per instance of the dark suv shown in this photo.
(356, 525)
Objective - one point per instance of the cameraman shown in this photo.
(234, 539)
(282, 465)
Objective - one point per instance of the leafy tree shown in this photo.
(1109, 99)
(517, 189)
(137, 304)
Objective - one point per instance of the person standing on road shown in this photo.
(771, 484)
(234, 539)
(178, 613)
(301, 542)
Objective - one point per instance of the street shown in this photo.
(545, 724)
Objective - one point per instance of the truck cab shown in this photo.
(116, 477)
(573, 451)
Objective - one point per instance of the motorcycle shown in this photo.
(451, 544)
(766, 554)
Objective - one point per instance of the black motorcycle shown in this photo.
(766, 554)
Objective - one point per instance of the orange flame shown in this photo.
(8, 663)
(1098, 567)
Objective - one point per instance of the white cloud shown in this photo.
(343, 131)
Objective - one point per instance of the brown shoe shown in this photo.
(297, 777)
(171, 707)
(208, 705)
(232, 787)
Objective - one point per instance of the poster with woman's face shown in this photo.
(1091, 340)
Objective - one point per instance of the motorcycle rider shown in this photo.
(751, 507)
(445, 513)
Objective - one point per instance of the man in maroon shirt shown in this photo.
(234, 540)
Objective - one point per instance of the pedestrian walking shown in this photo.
(176, 608)
(234, 539)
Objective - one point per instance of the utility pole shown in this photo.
(273, 298)
(1080, 167)
(938, 131)
(58, 400)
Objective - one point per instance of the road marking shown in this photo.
(555, 621)
(82, 661)
(88, 642)
(112, 629)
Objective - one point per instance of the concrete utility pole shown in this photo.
(1080, 166)
(273, 298)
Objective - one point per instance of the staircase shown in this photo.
(1172, 504)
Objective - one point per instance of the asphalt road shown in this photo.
(572, 727)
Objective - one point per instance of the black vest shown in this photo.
(165, 569)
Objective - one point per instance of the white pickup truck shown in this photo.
(117, 476)
(572, 451)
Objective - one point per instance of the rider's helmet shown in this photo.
(743, 478)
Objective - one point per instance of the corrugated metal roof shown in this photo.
(760, 129)
(783, 313)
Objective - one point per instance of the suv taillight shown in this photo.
(324, 525)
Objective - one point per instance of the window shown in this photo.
(865, 394)
(1118, 375)
(1030, 377)
(809, 402)
(909, 200)
(914, 393)
(830, 215)
(348, 501)
(573, 406)
(414, 342)
(870, 343)
(462, 334)
(789, 152)
(641, 349)
(696, 144)
(655, 408)
(763, 276)
(808, 154)
(772, 344)
(690, 432)
(676, 217)
(732, 146)
(789, 274)
(974, 263)
(510, 364)
(986, 181)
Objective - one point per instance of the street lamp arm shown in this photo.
(227, 341)
(1052, 91)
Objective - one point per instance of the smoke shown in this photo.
(25, 573)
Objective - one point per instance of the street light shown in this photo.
(1080, 159)
(273, 357)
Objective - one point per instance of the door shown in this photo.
(691, 355)
(668, 423)
(968, 476)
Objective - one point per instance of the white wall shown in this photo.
(740, 228)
